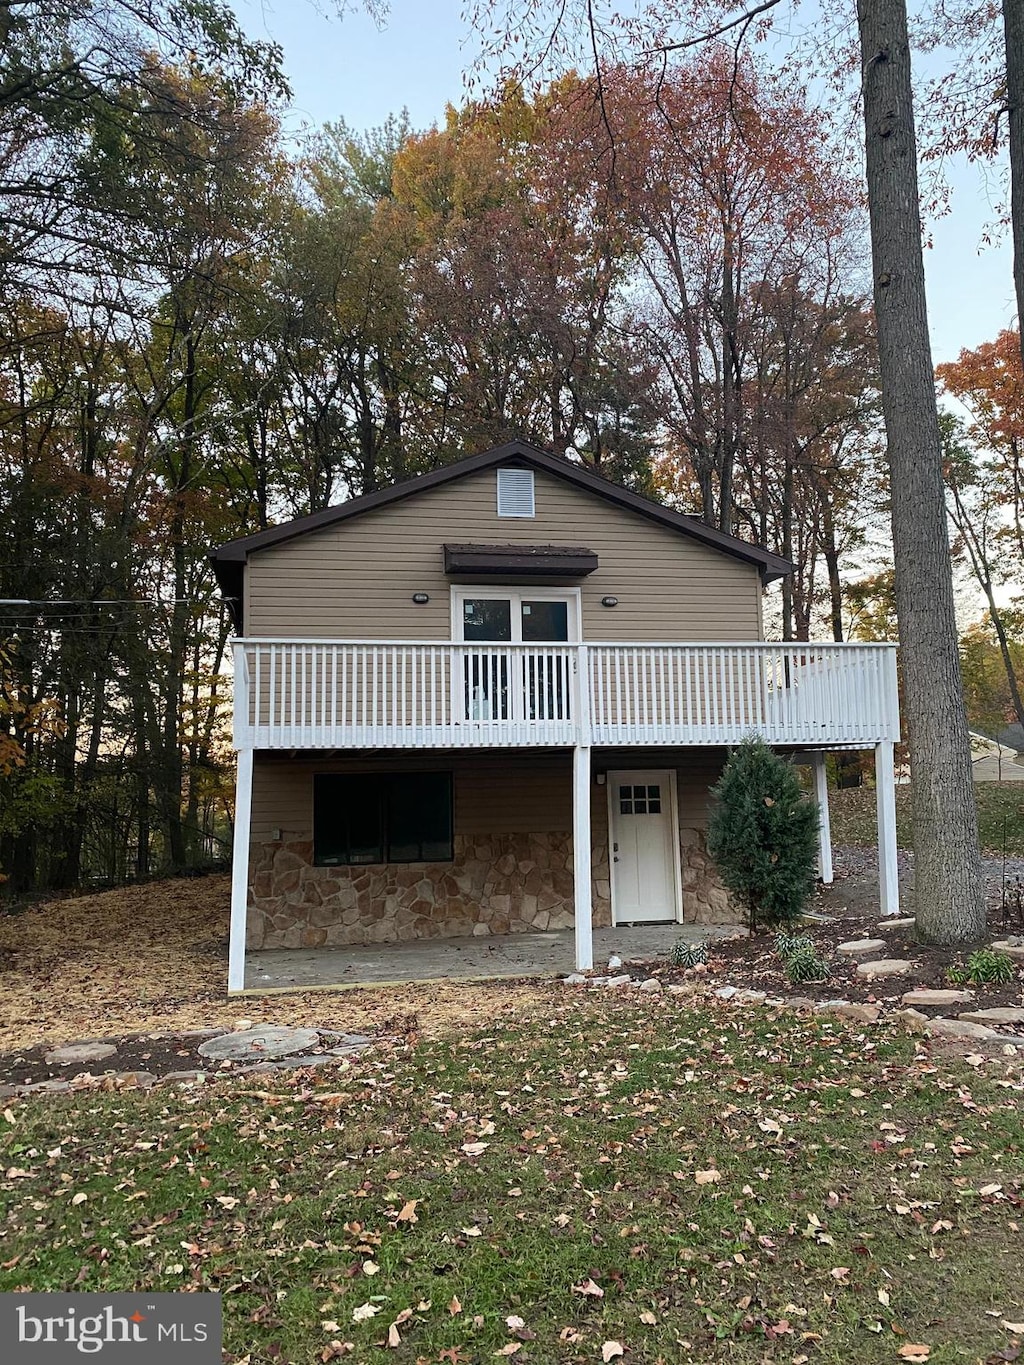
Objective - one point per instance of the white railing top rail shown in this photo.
(330, 642)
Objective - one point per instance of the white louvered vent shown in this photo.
(515, 493)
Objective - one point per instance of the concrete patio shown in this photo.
(452, 959)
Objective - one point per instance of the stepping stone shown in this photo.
(1000, 1014)
(846, 1009)
(858, 947)
(614, 982)
(885, 966)
(259, 1044)
(959, 1028)
(903, 922)
(1014, 946)
(938, 997)
(75, 1053)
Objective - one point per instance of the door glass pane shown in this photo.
(487, 618)
(545, 621)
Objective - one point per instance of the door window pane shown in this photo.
(487, 618)
(545, 620)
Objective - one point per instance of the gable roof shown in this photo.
(229, 559)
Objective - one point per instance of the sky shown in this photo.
(351, 68)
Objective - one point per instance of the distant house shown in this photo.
(493, 698)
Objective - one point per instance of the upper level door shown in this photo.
(516, 683)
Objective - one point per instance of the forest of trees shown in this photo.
(205, 329)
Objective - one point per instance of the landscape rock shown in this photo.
(959, 1028)
(885, 966)
(183, 1078)
(614, 963)
(900, 922)
(1014, 945)
(846, 1009)
(937, 997)
(750, 997)
(799, 1003)
(912, 1020)
(615, 982)
(652, 986)
(259, 1044)
(859, 947)
(726, 992)
(574, 979)
(999, 1014)
(54, 1087)
(76, 1053)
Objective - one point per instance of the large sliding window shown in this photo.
(382, 818)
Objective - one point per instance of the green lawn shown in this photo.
(741, 1187)
(1000, 817)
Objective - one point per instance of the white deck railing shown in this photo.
(374, 694)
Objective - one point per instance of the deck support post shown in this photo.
(240, 872)
(885, 797)
(824, 823)
(581, 858)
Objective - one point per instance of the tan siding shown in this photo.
(494, 793)
(356, 580)
(510, 793)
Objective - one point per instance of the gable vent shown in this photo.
(515, 493)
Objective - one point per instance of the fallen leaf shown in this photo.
(1017, 1328)
(455, 1307)
(510, 1348)
(589, 1288)
(408, 1214)
(514, 1322)
(914, 1351)
(371, 1268)
(648, 1318)
(883, 1297)
(611, 1349)
(79, 1198)
(364, 1311)
(475, 1148)
(394, 1339)
(707, 1177)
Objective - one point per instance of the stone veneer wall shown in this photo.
(496, 884)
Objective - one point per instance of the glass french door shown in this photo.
(513, 684)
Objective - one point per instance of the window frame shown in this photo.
(382, 783)
(517, 593)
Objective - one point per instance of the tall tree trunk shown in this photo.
(1013, 31)
(949, 903)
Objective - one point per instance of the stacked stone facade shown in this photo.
(496, 884)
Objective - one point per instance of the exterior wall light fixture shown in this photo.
(609, 601)
(421, 598)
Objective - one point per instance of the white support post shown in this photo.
(824, 823)
(240, 872)
(581, 853)
(581, 857)
(885, 797)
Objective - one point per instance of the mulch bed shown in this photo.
(851, 907)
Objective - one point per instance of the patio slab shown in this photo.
(507, 955)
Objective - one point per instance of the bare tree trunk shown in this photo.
(949, 903)
(1013, 30)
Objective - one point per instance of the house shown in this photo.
(494, 697)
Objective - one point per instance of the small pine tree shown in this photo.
(763, 834)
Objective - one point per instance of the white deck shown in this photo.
(373, 694)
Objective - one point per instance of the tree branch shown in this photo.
(715, 33)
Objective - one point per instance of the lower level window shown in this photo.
(382, 818)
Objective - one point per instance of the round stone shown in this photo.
(1014, 946)
(937, 997)
(259, 1044)
(76, 1053)
(858, 947)
(885, 966)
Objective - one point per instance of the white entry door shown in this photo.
(644, 847)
